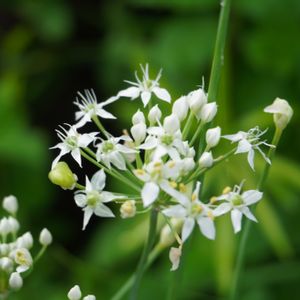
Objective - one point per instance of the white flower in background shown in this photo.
(110, 151)
(192, 211)
(248, 142)
(10, 204)
(89, 108)
(180, 108)
(92, 198)
(154, 115)
(165, 139)
(72, 141)
(89, 297)
(282, 112)
(238, 204)
(156, 176)
(145, 88)
(212, 137)
(74, 293)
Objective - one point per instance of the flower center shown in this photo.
(93, 198)
(71, 141)
(237, 200)
(107, 147)
(196, 209)
(167, 139)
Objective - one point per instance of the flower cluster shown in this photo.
(15, 251)
(161, 157)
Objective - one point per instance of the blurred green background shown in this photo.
(51, 49)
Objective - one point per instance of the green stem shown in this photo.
(100, 126)
(187, 125)
(247, 227)
(143, 261)
(197, 132)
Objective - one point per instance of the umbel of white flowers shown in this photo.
(15, 250)
(161, 158)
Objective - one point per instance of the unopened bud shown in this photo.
(74, 293)
(188, 164)
(213, 136)
(171, 124)
(208, 112)
(45, 238)
(25, 241)
(174, 256)
(282, 111)
(128, 209)
(89, 297)
(196, 99)
(154, 115)
(62, 176)
(138, 132)
(138, 117)
(180, 108)
(14, 224)
(6, 264)
(206, 160)
(4, 226)
(167, 237)
(15, 281)
(10, 204)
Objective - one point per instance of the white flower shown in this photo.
(138, 132)
(89, 108)
(10, 204)
(110, 151)
(206, 160)
(145, 88)
(15, 281)
(282, 112)
(128, 209)
(180, 108)
(23, 258)
(72, 141)
(154, 115)
(165, 139)
(89, 297)
(156, 175)
(192, 211)
(248, 142)
(92, 199)
(45, 238)
(196, 99)
(74, 293)
(138, 117)
(174, 256)
(208, 112)
(238, 204)
(213, 136)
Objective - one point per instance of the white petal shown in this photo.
(222, 209)
(162, 94)
(150, 192)
(88, 212)
(174, 256)
(150, 143)
(76, 155)
(80, 200)
(236, 219)
(131, 92)
(207, 227)
(159, 152)
(173, 153)
(251, 196)
(118, 160)
(181, 198)
(243, 146)
(145, 97)
(98, 180)
(156, 130)
(187, 228)
(102, 210)
(250, 158)
(104, 114)
(85, 139)
(125, 149)
(175, 211)
(108, 197)
(246, 211)
(142, 175)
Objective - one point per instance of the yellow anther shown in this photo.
(140, 171)
(182, 188)
(173, 184)
(226, 190)
(194, 197)
(210, 215)
(213, 200)
(171, 164)
(157, 164)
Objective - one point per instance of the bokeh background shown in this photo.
(51, 49)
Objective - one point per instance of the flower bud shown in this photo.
(89, 297)
(138, 132)
(167, 237)
(128, 209)
(208, 112)
(6, 264)
(74, 293)
(154, 114)
(14, 224)
(171, 124)
(282, 112)
(213, 136)
(180, 108)
(206, 160)
(45, 238)
(25, 241)
(10, 204)
(196, 99)
(15, 281)
(174, 256)
(5, 227)
(138, 117)
(62, 176)
(188, 164)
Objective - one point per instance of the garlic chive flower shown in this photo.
(76, 294)
(92, 198)
(192, 210)
(10, 204)
(110, 151)
(248, 142)
(145, 88)
(71, 142)
(89, 108)
(237, 204)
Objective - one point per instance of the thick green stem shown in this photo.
(143, 261)
(247, 226)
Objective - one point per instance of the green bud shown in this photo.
(62, 175)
